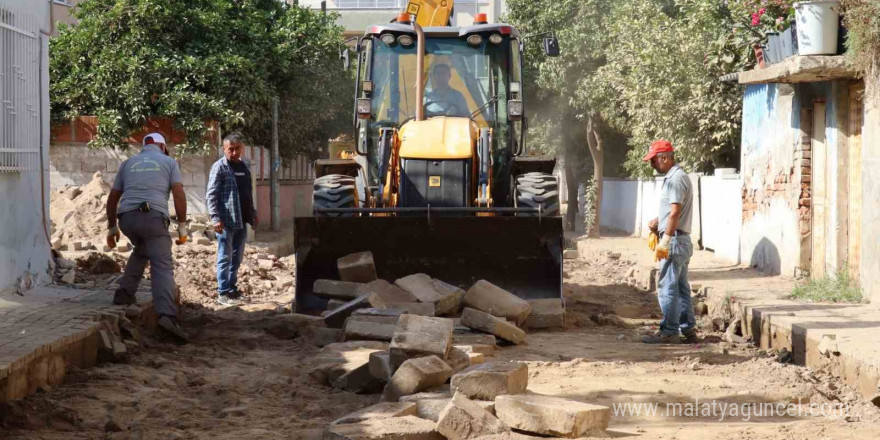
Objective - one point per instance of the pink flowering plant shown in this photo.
(754, 18)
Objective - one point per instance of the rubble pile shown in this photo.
(78, 216)
(427, 346)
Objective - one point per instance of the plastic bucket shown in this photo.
(817, 27)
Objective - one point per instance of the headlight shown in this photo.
(405, 40)
(475, 40)
(388, 39)
(364, 107)
(496, 39)
(515, 109)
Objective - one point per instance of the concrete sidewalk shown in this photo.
(841, 338)
(52, 329)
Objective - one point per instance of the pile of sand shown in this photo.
(78, 213)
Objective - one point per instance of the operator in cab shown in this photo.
(443, 100)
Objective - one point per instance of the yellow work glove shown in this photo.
(662, 251)
(652, 240)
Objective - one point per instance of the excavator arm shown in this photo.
(428, 13)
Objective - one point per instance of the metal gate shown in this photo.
(20, 94)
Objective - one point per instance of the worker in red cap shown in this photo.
(674, 250)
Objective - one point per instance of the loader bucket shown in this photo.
(520, 254)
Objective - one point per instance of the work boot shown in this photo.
(123, 298)
(690, 337)
(661, 338)
(227, 300)
(172, 327)
(236, 295)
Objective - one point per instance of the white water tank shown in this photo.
(817, 27)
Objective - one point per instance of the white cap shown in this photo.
(157, 138)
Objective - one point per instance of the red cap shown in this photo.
(661, 146)
(481, 18)
(404, 18)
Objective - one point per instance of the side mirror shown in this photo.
(345, 57)
(515, 109)
(551, 46)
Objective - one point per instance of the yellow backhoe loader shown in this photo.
(442, 184)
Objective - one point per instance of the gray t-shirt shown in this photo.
(147, 177)
(676, 189)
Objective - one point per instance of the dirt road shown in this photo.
(236, 381)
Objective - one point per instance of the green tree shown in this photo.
(199, 61)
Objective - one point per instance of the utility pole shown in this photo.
(275, 158)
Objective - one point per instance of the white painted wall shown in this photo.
(870, 264)
(721, 209)
(24, 247)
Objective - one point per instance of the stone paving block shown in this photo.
(471, 337)
(334, 304)
(423, 287)
(333, 289)
(395, 428)
(383, 294)
(357, 268)
(336, 318)
(359, 330)
(380, 411)
(485, 322)
(458, 359)
(546, 313)
(487, 297)
(482, 349)
(476, 358)
(570, 254)
(427, 395)
(418, 336)
(549, 415)
(380, 366)
(463, 419)
(490, 380)
(448, 289)
(416, 375)
(416, 308)
(338, 359)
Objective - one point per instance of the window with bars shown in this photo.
(20, 99)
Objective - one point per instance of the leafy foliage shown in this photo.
(197, 61)
(649, 69)
(862, 19)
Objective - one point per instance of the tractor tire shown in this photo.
(335, 191)
(538, 190)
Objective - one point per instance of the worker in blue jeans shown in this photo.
(674, 250)
(231, 206)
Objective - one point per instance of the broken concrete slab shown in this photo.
(384, 410)
(382, 294)
(490, 380)
(394, 428)
(336, 318)
(357, 268)
(416, 375)
(458, 359)
(463, 419)
(380, 366)
(422, 287)
(549, 415)
(545, 313)
(417, 336)
(485, 322)
(339, 290)
(489, 298)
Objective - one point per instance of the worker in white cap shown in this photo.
(139, 201)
